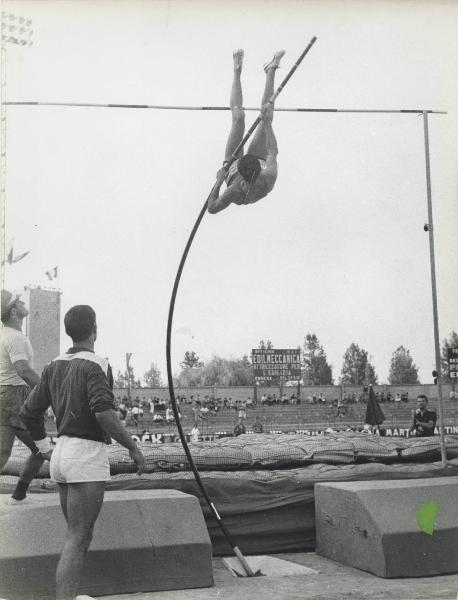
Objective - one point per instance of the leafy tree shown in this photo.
(152, 377)
(451, 342)
(191, 361)
(356, 368)
(218, 371)
(127, 379)
(120, 381)
(265, 345)
(316, 370)
(242, 371)
(402, 368)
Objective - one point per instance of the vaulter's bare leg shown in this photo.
(236, 104)
(258, 146)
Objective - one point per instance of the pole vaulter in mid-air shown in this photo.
(231, 158)
(253, 175)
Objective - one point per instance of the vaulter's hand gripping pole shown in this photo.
(215, 513)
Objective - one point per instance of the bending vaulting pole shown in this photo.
(212, 507)
(434, 292)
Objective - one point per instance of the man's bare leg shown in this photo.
(7, 434)
(258, 146)
(31, 467)
(83, 502)
(236, 104)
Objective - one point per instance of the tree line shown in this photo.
(357, 368)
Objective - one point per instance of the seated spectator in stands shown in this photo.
(242, 411)
(204, 412)
(423, 420)
(257, 426)
(341, 409)
(157, 418)
(239, 429)
(405, 396)
(249, 402)
(135, 413)
(398, 397)
(195, 434)
(169, 417)
(151, 406)
(195, 412)
(293, 399)
(263, 399)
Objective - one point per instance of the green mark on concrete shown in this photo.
(426, 516)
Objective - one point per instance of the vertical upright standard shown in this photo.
(430, 229)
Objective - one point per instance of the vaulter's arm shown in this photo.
(216, 201)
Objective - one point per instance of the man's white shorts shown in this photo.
(75, 460)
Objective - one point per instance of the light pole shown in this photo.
(15, 30)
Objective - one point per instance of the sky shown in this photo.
(337, 249)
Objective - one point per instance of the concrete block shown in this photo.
(373, 526)
(146, 540)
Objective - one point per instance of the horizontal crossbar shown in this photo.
(416, 111)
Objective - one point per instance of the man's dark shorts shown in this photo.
(12, 397)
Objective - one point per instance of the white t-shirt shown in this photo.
(14, 346)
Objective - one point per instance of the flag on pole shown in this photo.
(52, 274)
(11, 259)
(374, 414)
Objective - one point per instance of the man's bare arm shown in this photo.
(25, 372)
(109, 421)
(216, 201)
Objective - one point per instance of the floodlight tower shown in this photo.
(15, 30)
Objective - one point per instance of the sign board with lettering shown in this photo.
(273, 364)
(452, 357)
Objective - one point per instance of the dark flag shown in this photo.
(51, 274)
(374, 414)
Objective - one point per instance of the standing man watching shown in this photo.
(17, 377)
(423, 420)
(78, 386)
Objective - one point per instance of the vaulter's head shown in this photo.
(249, 168)
(13, 309)
(80, 324)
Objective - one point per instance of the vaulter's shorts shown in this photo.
(75, 460)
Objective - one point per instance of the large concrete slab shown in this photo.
(143, 541)
(374, 526)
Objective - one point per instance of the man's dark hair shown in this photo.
(423, 396)
(7, 313)
(79, 322)
(249, 167)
